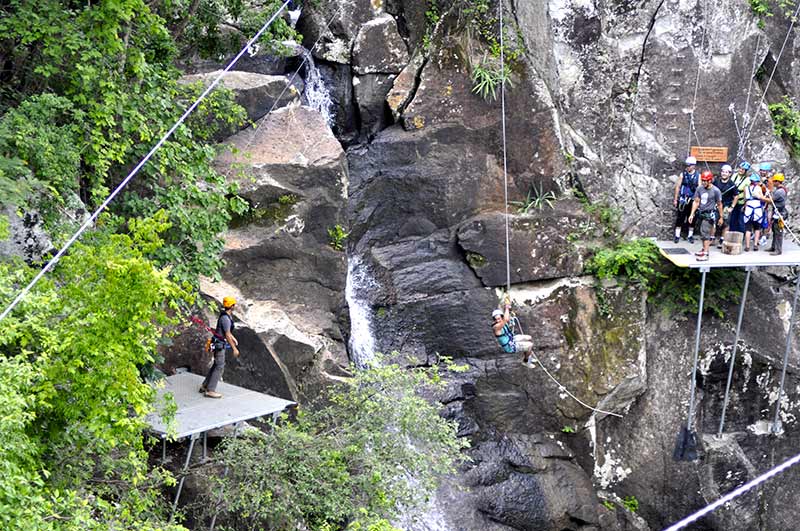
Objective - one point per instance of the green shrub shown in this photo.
(336, 237)
(371, 449)
(672, 288)
(786, 120)
(631, 503)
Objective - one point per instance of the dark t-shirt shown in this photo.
(224, 325)
(728, 190)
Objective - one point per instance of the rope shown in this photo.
(505, 157)
(692, 125)
(86, 224)
(746, 114)
(559, 384)
(735, 493)
(772, 74)
(786, 356)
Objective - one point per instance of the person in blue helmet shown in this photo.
(685, 188)
(507, 339)
(741, 180)
(753, 211)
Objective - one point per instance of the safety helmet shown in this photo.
(765, 166)
(727, 167)
(228, 302)
(706, 176)
(744, 165)
(755, 177)
(778, 177)
(691, 161)
(496, 313)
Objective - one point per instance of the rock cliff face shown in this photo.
(603, 94)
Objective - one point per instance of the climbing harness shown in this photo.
(506, 340)
(753, 208)
(91, 219)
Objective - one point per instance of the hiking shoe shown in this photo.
(700, 253)
(775, 253)
(702, 258)
(719, 243)
(691, 239)
(212, 394)
(202, 389)
(676, 239)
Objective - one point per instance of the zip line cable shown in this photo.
(515, 322)
(735, 493)
(772, 74)
(505, 156)
(86, 224)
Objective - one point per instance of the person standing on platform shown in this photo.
(685, 188)
(765, 172)
(224, 330)
(778, 199)
(729, 192)
(708, 206)
(753, 211)
(741, 180)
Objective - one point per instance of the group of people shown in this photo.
(752, 201)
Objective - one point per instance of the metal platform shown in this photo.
(682, 255)
(198, 414)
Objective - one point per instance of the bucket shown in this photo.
(733, 236)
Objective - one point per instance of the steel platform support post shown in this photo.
(735, 347)
(777, 427)
(704, 272)
(205, 446)
(183, 476)
(224, 474)
(163, 450)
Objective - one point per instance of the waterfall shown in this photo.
(362, 344)
(317, 94)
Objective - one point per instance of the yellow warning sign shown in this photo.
(709, 154)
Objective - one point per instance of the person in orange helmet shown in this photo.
(224, 330)
(707, 205)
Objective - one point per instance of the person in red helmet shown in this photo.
(707, 205)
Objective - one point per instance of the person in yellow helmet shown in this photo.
(777, 197)
(223, 340)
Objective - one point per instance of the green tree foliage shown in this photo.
(374, 447)
(216, 28)
(786, 120)
(73, 404)
(87, 90)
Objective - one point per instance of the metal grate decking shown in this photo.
(682, 255)
(198, 414)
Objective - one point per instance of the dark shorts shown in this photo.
(752, 225)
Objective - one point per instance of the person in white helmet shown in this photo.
(685, 188)
(730, 193)
(507, 339)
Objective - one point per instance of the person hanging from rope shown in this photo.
(729, 192)
(223, 340)
(741, 180)
(685, 188)
(753, 211)
(708, 206)
(503, 327)
(778, 200)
